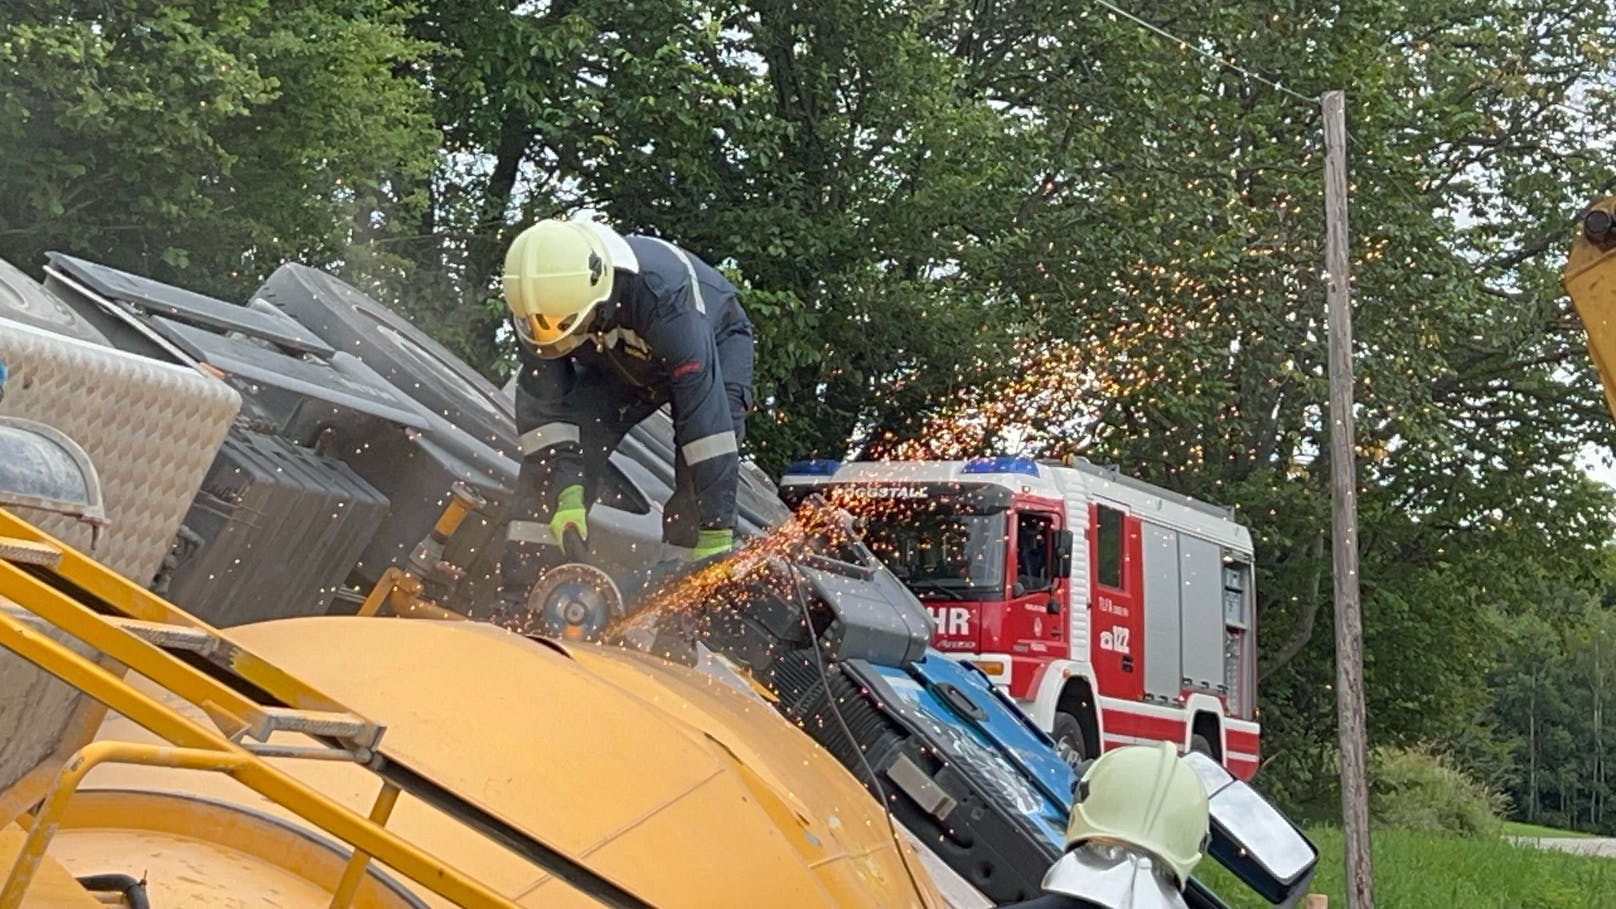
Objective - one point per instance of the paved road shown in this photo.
(1601, 847)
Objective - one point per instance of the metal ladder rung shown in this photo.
(27, 552)
(171, 637)
(160, 634)
(344, 726)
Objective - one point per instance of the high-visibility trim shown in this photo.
(708, 447)
(547, 435)
(627, 337)
(690, 268)
(530, 532)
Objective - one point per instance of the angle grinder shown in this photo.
(575, 602)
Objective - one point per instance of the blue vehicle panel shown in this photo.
(976, 725)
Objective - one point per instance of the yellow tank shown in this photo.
(682, 789)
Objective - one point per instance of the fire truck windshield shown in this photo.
(940, 553)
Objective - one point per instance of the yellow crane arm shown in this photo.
(1590, 279)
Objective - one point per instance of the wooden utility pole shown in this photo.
(1349, 690)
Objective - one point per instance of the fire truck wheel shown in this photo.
(1069, 743)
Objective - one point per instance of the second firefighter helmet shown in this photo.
(1147, 798)
(556, 274)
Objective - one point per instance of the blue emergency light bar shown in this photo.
(813, 468)
(1003, 464)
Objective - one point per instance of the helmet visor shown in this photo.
(552, 342)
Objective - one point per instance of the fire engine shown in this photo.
(1145, 632)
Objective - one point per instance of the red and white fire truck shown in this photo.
(1144, 632)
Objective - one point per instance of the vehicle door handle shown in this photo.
(1127, 664)
(962, 702)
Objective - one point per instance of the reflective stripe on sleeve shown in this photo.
(695, 285)
(708, 447)
(530, 532)
(547, 435)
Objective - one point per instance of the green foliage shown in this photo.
(1418, 789)
(1431, 869)
(1551, 694)
(1035, 222)
(204, 143)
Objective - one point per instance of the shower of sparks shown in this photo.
(735, 582)
(1043, 405)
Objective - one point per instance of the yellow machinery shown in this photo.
(1590, 280)
(347, 760)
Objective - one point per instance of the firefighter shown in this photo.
(609, 329)
(1139, 826)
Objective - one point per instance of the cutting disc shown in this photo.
(575, 602)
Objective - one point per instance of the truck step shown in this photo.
(28, 552)
(345, 726)
(171, 637)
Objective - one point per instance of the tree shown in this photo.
(961, 229)
(205, 143)
(832, 156)
(1050, 228)
(1174, 239)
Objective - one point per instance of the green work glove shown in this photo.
(569, 513)
(713, 542)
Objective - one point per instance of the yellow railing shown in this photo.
(68, 591)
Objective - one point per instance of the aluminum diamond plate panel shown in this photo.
(151, 429)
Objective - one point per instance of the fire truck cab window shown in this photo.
(938, 553)
(1108, 537)
(1034, 552)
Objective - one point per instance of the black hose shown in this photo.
(864, 762)
(134, 892)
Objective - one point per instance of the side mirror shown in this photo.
(1063, 553)
(1018, 590)
(1253, 839)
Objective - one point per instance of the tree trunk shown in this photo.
(1596, 810)
(1531, 739)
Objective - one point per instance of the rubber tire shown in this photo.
(1068, 735)
(344, 317)
(1198, 742)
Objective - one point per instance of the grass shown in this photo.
(1417, 870)
(1516, 828)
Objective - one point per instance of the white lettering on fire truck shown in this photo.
(886, 492)
(952, 620)
(1116, 638)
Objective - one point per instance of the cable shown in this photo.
(1224, 61)
(830, 699)
(133, 891)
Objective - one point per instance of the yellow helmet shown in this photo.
(1145, 797)
(556, 273)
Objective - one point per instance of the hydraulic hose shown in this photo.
(134, 891)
